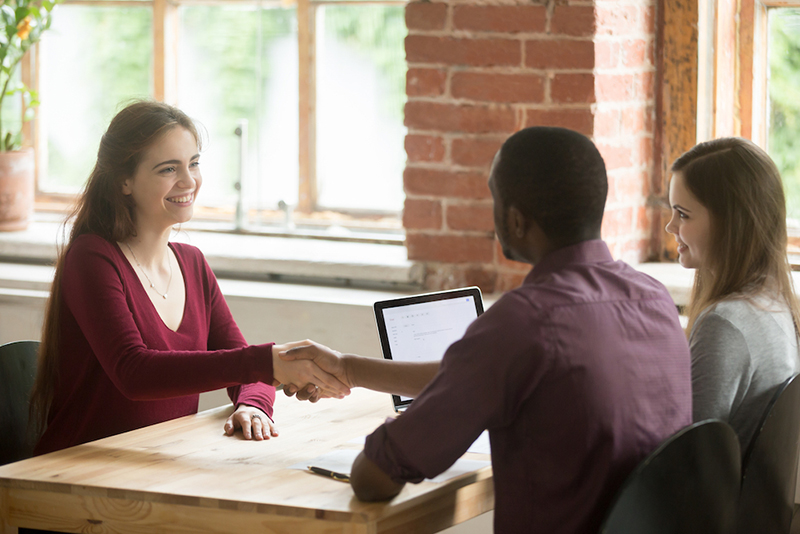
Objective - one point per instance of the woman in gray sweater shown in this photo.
(729, 219)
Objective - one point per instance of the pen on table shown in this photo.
(341, 477)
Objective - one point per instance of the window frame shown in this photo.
(730, 97)
(165, 88)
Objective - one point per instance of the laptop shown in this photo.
(422, 327)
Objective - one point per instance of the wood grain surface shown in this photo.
(186, 476)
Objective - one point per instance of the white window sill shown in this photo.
(247, 265)
(256, 257)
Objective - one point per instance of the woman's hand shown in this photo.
(305, 373)
(255, 424)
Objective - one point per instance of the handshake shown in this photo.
(311, 371)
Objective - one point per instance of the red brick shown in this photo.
(510, 88)
(506, 19)
(572, 88)
(635, 53)
(615, 19)
(644, 150)
(617, 223)
(573, 20)
(449, 248)
(425, 82)
(606, 122)
(425, 16)
(474, 152)
(424, 148)
(580, 120)
(606, 54)
(616, 157)
(460, 118)
(471, 52)
(559, 54)
(643, 215)
(422, 214)
(644, 86)
(476, 217)
(625, 186)
(625, 87)
(649, 19)
(447, 184)
(634, 120)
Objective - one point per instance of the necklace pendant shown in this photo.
(152, 286)
(164, 296)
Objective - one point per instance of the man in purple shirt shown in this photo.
(578, 374)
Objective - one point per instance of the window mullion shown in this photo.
(306, 45)
(165, 36)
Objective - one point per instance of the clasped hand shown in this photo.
(310, 370)
(325, 361)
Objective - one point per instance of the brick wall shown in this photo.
(476, 74)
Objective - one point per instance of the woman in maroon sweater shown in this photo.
(136, 327)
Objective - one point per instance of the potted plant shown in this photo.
(22, 23)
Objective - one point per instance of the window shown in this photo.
(783, 118)
(749, 71)
(314, 92)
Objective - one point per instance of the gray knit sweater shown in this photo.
(742, 350)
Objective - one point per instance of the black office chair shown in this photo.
(769, 472)
(689, 485)
(17, 373)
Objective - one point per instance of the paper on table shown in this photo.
(480, 446)
(342, 460)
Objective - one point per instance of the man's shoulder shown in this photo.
(595, 282)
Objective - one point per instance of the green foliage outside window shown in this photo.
(91, 78)
(784, 102)
(378, 32)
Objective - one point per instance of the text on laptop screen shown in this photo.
(422, 332)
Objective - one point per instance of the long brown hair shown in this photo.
(104, 210)
(741, 187)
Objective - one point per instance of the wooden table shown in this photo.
(186, 476)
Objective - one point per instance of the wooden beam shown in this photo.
(306, 46)
(165, 46)
(676, 102)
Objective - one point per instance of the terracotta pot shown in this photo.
(16, 189)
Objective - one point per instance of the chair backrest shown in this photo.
(769, 472)
(17, 373)
(688, 485)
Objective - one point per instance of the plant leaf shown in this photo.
(9, 18)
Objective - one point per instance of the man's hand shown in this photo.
(308, 374)
(326, 359)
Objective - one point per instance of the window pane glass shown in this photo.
(240, 62)
(360, 97)
(94, 59)
(784, 103)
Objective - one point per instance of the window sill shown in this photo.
(254, 257)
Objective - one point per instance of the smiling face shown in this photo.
(690, 224)
(166, 181)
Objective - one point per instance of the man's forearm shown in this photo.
(389, 376)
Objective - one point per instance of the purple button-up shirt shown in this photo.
(578, 375)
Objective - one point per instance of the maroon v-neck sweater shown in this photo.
(121, 368)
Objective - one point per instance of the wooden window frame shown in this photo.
(713, 69)
(165, 85)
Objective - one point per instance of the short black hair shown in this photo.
(556, 177)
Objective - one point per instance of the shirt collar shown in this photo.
(593, 251)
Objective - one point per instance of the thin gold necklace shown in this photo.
(152, 286)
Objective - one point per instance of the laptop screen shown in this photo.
(422, 327)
